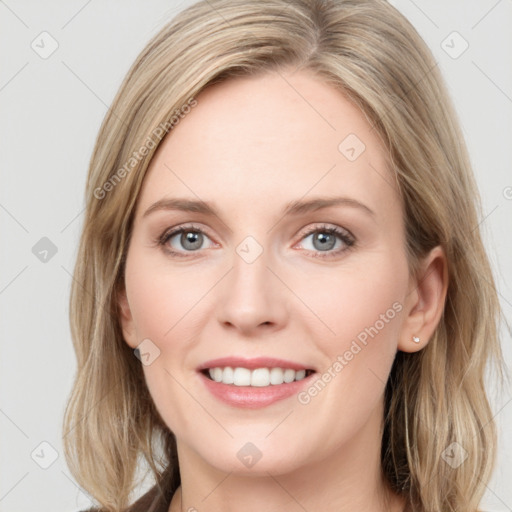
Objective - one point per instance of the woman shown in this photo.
(281, 299)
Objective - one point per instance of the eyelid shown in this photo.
(317, 227)
(175, 230)
(348, 239)
(191, 226)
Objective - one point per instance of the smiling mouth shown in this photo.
(259, 377)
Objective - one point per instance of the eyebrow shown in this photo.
(293, 208)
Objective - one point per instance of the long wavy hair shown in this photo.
(375, 57)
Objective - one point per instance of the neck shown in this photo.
(349, 479)
(277, 493)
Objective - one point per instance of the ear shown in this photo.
(425, 301)
(126, 319)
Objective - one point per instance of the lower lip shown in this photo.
(252, 397)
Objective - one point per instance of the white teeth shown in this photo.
(217, 374)
(227, 375)
(276, 376)
(289, 375)
(300, 374)
(260, 377)
(242, 377)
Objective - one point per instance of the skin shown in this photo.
(250, 147)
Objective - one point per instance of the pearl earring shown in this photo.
(415, 339)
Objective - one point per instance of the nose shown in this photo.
(252, 299)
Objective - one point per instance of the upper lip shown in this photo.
(252, 363)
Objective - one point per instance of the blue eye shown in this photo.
(328, 240)
(189, 239)
(325, 241)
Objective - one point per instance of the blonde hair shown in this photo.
(375, 57)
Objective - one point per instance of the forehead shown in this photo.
(279, 136)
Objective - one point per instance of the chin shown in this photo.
(244, 456)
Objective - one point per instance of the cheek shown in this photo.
(358, 296)
(361, 304)
(162, 301)
(163, 306)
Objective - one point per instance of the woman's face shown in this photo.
(291, 265)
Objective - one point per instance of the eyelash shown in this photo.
(347, 238)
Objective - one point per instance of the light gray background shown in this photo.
(51, 111)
